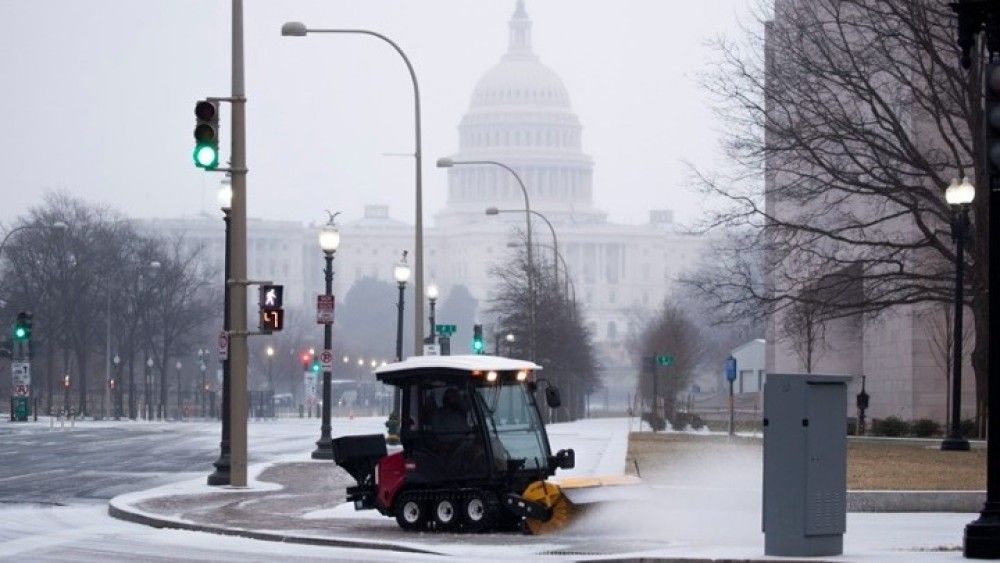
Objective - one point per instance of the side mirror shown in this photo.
(552, 397)
(564, 459)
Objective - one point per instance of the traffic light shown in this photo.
(315, 366)
(66, 381)
(478, 345)
(22, 326)
(272, 315)
(206, 134)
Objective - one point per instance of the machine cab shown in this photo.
(470, 418)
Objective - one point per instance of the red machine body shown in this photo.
(391, 473)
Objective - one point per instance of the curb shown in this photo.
(915, 501)
(162, 522)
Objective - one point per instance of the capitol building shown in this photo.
(519, 114)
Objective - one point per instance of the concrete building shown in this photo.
(902, 350)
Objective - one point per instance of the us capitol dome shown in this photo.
(520, 115)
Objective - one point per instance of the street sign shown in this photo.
(664, 360)
(324, 309)
(309, 384)
(21, 391)
(445, 329)
(731, 369)
(223, 346)
(326, 360)
(20, 373)
(432, 350)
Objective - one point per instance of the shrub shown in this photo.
(655, 421)
(680, 421)
(696, 422)
(925, 428)
(893, 427)
(969, 428)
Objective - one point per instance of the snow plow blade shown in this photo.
(565, 498)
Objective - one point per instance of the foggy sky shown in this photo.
(98, 98)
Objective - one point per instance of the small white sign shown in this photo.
(432, 350)
(326, 360)
(223, 346)
(20, 373)
(309, 387)
(21, 391)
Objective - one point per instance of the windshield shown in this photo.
(513, 424)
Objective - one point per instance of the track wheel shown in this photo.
(476, 513)
(445, 513)
(411, 514)
(551, 496)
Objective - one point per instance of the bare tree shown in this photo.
(563, 344)
(854, 115)
(671, 332)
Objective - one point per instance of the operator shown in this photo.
(452, 417)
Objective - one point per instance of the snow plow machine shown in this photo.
(475, 454)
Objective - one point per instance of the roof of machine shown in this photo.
(471, 362)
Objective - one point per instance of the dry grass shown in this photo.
(679, 458)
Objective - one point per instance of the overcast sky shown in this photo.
(97, 98)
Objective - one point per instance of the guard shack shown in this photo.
(805, 464)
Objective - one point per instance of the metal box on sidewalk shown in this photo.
(805, 464)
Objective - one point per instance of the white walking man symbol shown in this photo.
(270, 298)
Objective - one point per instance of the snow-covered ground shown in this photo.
(656, 528)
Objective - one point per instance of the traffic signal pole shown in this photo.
(238, 253)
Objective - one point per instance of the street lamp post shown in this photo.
(180, 412)
(959, 196)
(329, 240)
(222, 464)
(401, 272)
(147, 375)
(203, 388)
(432, 296)
(982, 536)
(117, 396)
(298, 29)
(555, 239)
(446, 162)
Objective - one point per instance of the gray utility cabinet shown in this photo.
(805, 464)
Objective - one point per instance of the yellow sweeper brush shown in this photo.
(565, 498)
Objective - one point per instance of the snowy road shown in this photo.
(96, 461)
(55, 483)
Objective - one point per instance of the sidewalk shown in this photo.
(298, 500)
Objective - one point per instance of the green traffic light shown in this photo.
(315, 367)
(206, 156)
(477, 345)
(20, 332)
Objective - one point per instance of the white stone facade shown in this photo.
(519, 115)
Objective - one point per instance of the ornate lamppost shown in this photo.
(959, 196)
(401, 272)
(329, 240)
